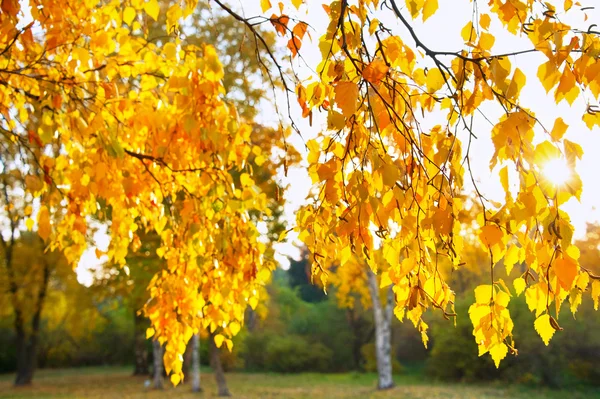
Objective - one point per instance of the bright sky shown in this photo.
(440, 32)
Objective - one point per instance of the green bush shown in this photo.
(571, 357)
(292, 354)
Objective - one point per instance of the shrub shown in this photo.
(292, 353)
(570, 358)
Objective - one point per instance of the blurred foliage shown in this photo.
(571, 358)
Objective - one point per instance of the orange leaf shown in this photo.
(346, 97)
(375, 71)
(566, 271)
(280, 23)
(491, 235)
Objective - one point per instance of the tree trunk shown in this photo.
(26, 359)
(27, 344)
(157, 351)
(250, 319)
(383, 331)
(187, 358)
(139, 345)
(196, 363)
(215, 364)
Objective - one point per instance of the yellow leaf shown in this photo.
(567, 88)
(511, 257)
(246, 180)
(483, 294)
(544, 328)
(219, 340)
(44, 223)
(568, 4)
(559, 129)
(385, 280)
(429, 9)
(504, 178)
(29, 223)
(549, 75)
(152, 9)
(297, 3)
(468, 32)
(264, 274)
(265, 5)
(346, 97)
(170, 51)
(486, 41)
(596, 293)
(149, 332)
(234, 327)
(160, 225)
(498, 352)
(573, 151)
(517, 83)
(435, 80)
(128, 15)
(519, 285)
(544, 152)
(253, 302)
(28, 210)
(175, 379)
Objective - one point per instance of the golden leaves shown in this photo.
(484, 21)
(548, 75)
(567, 88)
(498, 352)
(129, 14)
(213, 69)
(265, 5)
(429, 8)
(519, 285)
(544, 328)
(149, 332)
(468, 32)
(435, 80)
(491, 320)
(559, 129)
(425, 7)
(170, 51)
(152, 8)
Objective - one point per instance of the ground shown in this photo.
(111, 382)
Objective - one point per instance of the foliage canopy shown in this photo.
(101, 118)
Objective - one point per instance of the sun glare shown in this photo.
(557, 171)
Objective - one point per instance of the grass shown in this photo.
(112, 382)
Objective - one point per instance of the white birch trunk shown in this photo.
(383, 331)
(157, 350)
(196, 363)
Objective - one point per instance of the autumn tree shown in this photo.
(24, 286)
(143, 127)
(384, 180)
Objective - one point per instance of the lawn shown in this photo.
(98, 382)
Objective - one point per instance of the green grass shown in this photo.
(112, 382)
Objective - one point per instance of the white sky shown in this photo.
(440, 32)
